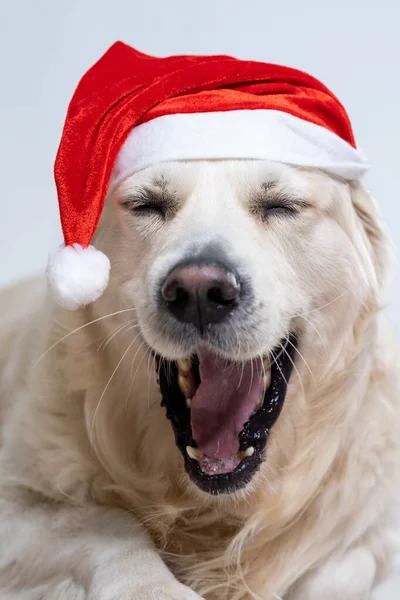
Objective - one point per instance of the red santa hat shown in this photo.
(131, 110)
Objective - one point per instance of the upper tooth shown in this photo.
(184, 383)
(194, 453)
(188, 402)
(267, 362)
(184, 365)
(246, 453)
(267, 379)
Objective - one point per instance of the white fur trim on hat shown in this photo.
(247, 134)
(77, 276)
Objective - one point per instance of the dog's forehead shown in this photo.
(188, 177)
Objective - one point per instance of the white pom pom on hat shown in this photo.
(77, 276)
(131, 110)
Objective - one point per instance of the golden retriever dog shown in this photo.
(287, 378)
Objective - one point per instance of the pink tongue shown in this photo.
(224, 401)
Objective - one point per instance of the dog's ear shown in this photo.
(374, 233)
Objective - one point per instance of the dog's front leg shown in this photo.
(350, 577)
(51, 551)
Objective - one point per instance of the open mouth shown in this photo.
(222, 412)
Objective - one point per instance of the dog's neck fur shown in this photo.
(105, 455)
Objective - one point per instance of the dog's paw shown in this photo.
(348, 578)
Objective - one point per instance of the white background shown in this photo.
(353, 46)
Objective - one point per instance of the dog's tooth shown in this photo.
(246, 453)
(188, 402)
(260, 402)
(267, 362)
(184, 383)
(194, 453)
(184, 365)
(267, 379)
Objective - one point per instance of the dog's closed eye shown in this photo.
(150, 203)
(270, 202)
(280, 205)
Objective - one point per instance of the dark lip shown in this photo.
(255, 432)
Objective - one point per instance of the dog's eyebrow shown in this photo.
(268, 186)
(160, 181)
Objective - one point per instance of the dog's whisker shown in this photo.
(131, 372)
(294, 367)
(115, 332)
(302, 357)
(277, 363)
(107, 386)
(66, 336)
(133, 377)
(149, 378)
(148, 350)
(313, 327)
(237, 345)
(241, 374)
(327, 304)
(108, 334)
(148, 366)
(251, 379)
(275, 358)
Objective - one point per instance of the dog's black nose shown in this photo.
(201, 293)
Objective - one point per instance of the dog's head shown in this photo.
(241, 273)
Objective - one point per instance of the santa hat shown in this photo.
(131, 110)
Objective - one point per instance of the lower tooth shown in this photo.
(267, 379)
(260, 402)
(246, 453)
(184, 384)
(185, 365)
(188, 402)
(194, 453)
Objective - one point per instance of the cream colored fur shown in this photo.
(94, 500)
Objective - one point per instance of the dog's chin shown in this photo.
(222, 412)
